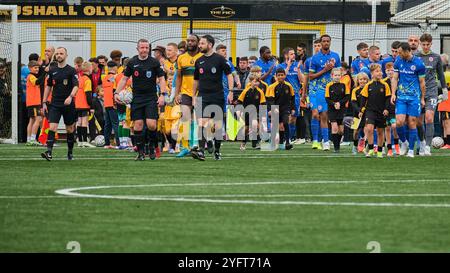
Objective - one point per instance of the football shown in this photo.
(437, 142)
(126, 96)
(100, 141)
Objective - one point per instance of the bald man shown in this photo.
(413, 41)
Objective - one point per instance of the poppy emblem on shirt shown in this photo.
(65, 82)
(213, 70)
(413, 67)
(430, 59)
(136, 73)
(149, 74)
(201, 70)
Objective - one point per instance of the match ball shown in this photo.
(100, 141)
(125, 96)
(437, 142)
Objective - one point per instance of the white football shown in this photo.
(437, 142)
(100, 141)
(125, 96)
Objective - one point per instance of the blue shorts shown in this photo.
(408, 107)
(318, 102)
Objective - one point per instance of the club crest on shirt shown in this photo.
(413, 67)
(65, 81)
(381, 90)
(149, 74)
(213, 70)
(286, 91)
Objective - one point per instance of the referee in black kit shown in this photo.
(145, 71)
(209, 70)
(63, 84)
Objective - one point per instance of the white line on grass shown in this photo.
(225, 157)
(206, 198)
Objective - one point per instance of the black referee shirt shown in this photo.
(209, 72)
(62, 80)
(144, 74)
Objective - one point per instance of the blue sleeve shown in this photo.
(396, 65)
(232, 69)
(338, 60)
(313, 66)
(421, 70)
(354, 68)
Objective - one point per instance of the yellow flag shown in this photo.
(233, 125)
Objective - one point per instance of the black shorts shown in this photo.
(247, 119)
(34, 111)
(67, 112)
(336, 115)
(143, 111)
(376, 119)
(445, 115)
(186, 100)
(82, 113)
(211, 113)
(284, 115)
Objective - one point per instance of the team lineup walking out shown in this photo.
(188, 97)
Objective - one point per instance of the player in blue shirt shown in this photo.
(320, 75)
(374, 57)
(295, 77)
(222, 50)
(358, 63)
(391, 57)
(408, 92)
(267, 63)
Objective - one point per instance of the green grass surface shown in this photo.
(253, 201)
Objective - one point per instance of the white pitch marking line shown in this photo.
(31, 196)
(176, 198)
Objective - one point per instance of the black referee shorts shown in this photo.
(143, 111)
(68, 113)
(218, 105)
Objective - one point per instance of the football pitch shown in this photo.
(252, 201)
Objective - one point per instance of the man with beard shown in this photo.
(184, 91)
(62, 82)
(267, 63)
(209, 70)
(413, 41)
(320, 75)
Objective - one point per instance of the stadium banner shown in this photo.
(309, 11)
